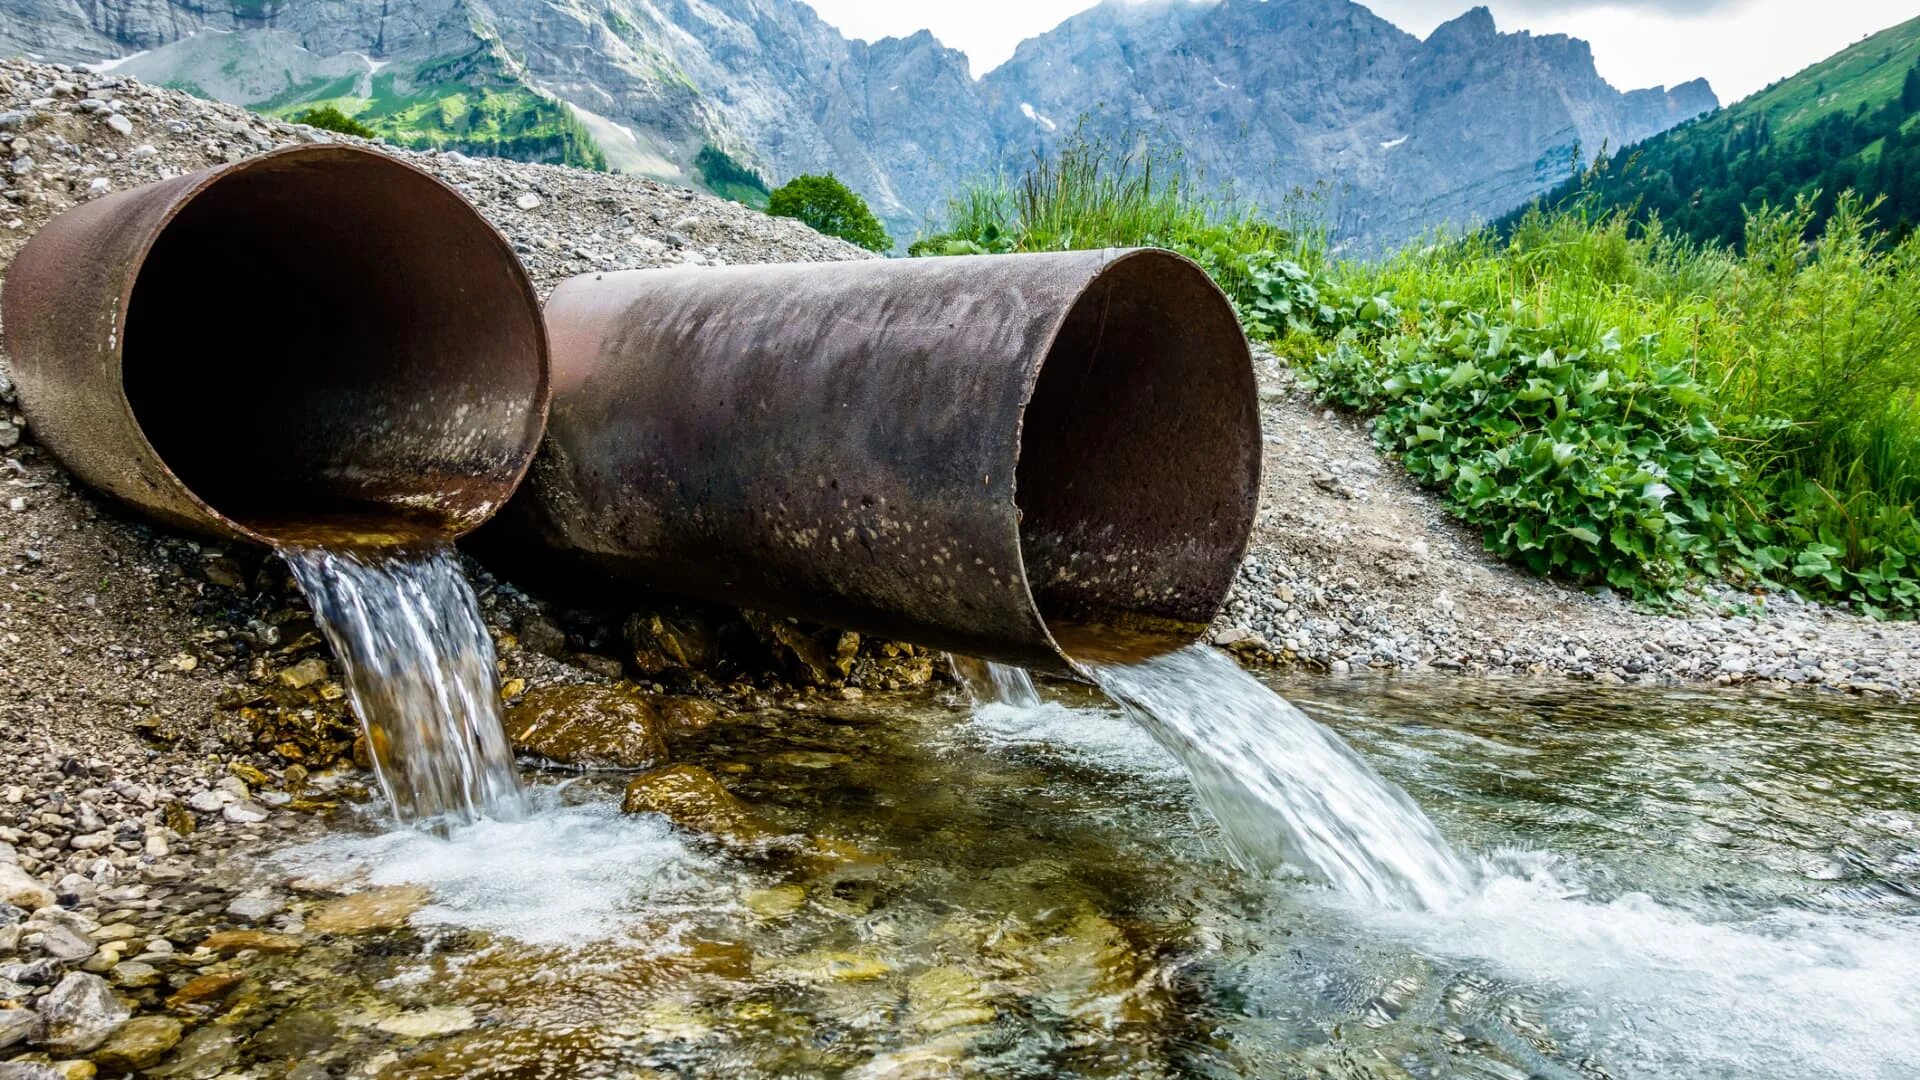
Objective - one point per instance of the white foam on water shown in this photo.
(1658, 991)
(988, 682)
(562, 875)
(1096, 737)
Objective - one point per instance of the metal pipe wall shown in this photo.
(986, 454)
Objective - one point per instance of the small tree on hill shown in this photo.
(831, 207)
(328, 118)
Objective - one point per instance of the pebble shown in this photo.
(120, 124)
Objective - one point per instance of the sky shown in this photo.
(1738, 45)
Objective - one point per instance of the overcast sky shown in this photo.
(1740, 45)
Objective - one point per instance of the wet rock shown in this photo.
(23, 890)
(686, 715)
(819, 658)
(661, 644)
(139, 1044)
(544, 636)
(589, 727)
(308, 672)
(691, 798)
(80, 1014)
(384, 908)
(17, 1026)
(29, 1070)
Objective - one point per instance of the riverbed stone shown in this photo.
(589, 727)
(17, 1026)
(385, 908)
(691, 798)
(29, 1070)
(139, 1044)
(23, 890)
(79, 1014)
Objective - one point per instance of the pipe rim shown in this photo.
(212, 178)
(1163, 637)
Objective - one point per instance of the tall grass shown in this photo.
(1608, 401)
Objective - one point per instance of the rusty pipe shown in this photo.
(982, 454)
(320, 330)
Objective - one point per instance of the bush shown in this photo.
(832, 208)
(328, 118)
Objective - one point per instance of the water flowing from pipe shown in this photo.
(1284, 789)
(989, 683)
(419, 669)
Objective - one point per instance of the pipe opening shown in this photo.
(331, 332)
(1139, 461)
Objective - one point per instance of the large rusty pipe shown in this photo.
(987, 455)
(316, 331)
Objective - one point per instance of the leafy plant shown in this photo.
(832, 208)
(328, 118)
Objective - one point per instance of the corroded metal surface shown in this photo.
(970, 453)
(318, 329)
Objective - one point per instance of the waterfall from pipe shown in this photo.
(989, 683)
(419, 669)
(1284, 789)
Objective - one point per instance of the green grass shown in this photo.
(448, 106)
(1606, 401)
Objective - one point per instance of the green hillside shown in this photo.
(1850, 122)
(459, 103)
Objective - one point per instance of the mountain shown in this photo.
(1850, 122)
(1264, 95)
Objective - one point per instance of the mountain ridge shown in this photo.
(1269, 96)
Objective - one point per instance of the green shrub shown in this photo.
(328, 118)
(1569, 468)
(832, 208)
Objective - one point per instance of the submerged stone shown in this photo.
(590, 727)
(947, 997)
(139, 1044)
(691, 798)
(385, 908)
(427, 1023)
(233, 941)
(777, 902)
(205, 993)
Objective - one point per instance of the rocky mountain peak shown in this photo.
(1267, 95)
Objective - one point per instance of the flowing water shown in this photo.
(1284, 790)
(990, 683)
(1676, 884)
(419, 670)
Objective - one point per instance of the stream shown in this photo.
(1662, 883)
